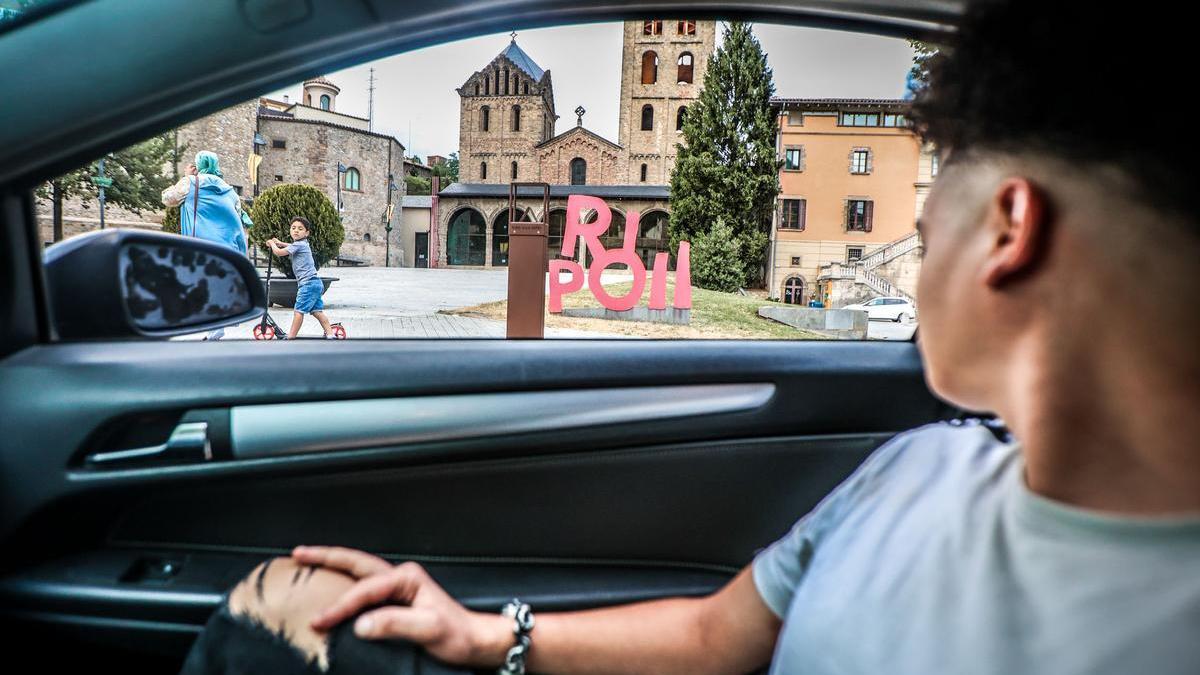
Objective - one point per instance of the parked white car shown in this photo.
(891, 309)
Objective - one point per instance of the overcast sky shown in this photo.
(415, 98)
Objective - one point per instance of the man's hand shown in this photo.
(415, 608)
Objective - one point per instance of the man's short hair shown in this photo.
(303, 221)
(1086, 84)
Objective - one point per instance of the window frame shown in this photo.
(352, 171)
(866, 223)
(799, 151)
(647, 121)
(786, 219)
(688, 69)
(652, 27)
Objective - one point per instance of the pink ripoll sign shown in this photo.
(577, 205)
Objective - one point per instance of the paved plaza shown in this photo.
(396, 302)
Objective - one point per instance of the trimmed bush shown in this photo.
(716, 260)
(170, 221)
(273, 212)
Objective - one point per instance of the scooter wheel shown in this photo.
(258, 332)
(339, 332)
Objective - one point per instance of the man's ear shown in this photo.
(1017, 222)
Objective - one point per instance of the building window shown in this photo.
(476, 87)
(325, 102)
(686, 27)
(933, 165)
(858, 215)
(644, 169)
(860, 161)
(353, 180)
(793, 214)
(578, 171)
(505, 83)
(485, 118)
(795, 118)
(793, 291)
(483, 171)
(487, 87)
(647, 118)
(514, 170)
(853, 253)
(466, 238)
(367, 237)
(500, 237)
(652, 28)
(859, 120)
(649, 68)
(555, 227)
(685, 68)
(795, 261)
(516, 118)
(278, 144)
(526, 88)
(793, 159)
(278, 178)
(892, 120)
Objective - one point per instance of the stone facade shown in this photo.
(311, 156)
(300, 144)
(665, 94)
(602, 158)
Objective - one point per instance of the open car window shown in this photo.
(404, 170)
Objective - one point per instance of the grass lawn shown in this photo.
(715, 316)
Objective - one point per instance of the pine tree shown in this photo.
(727, 170)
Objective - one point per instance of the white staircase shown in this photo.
(861, 271)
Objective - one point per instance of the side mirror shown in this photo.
(129, 283)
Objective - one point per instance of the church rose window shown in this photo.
(647, 118)
(685, 68)
(466, 238)
(578, 171)
(649, 68)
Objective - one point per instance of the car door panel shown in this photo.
(576, 473)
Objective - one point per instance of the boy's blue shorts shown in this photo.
(308, 296)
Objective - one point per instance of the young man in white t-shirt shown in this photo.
(1062, 251)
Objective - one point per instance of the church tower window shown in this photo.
(652, 28)
(485, 118)
(514, 170)
(647, 118)
(516, 118)
(578, 171)
(644, 169)
(685, 68)
(483, 171)
(686, 28)
(325, 101)
(679, 118)
(649, 68)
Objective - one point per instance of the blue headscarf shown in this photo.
(206, 162)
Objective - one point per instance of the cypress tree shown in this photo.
(727, 169)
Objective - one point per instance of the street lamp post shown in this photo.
(387, 223)
(341, 169)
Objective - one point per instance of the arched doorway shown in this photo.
(613, 238)
(466, 238)
(793, 291)
(500, 237)
(555, 226)
(652, 236)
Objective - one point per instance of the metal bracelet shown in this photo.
(522, 616)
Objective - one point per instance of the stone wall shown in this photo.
(603, 159)
(656, 148)
(230, 134)
(903, 271)
(311, 156)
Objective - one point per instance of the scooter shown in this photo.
(267, 329)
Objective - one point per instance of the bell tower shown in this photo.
(663, 62)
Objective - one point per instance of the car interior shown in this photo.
(571, 473)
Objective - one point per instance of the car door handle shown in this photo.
(188, 442)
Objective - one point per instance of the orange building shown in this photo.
(853, 181)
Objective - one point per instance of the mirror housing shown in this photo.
(122, 283)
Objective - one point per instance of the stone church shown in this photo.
(507, 123)
(307, 141)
